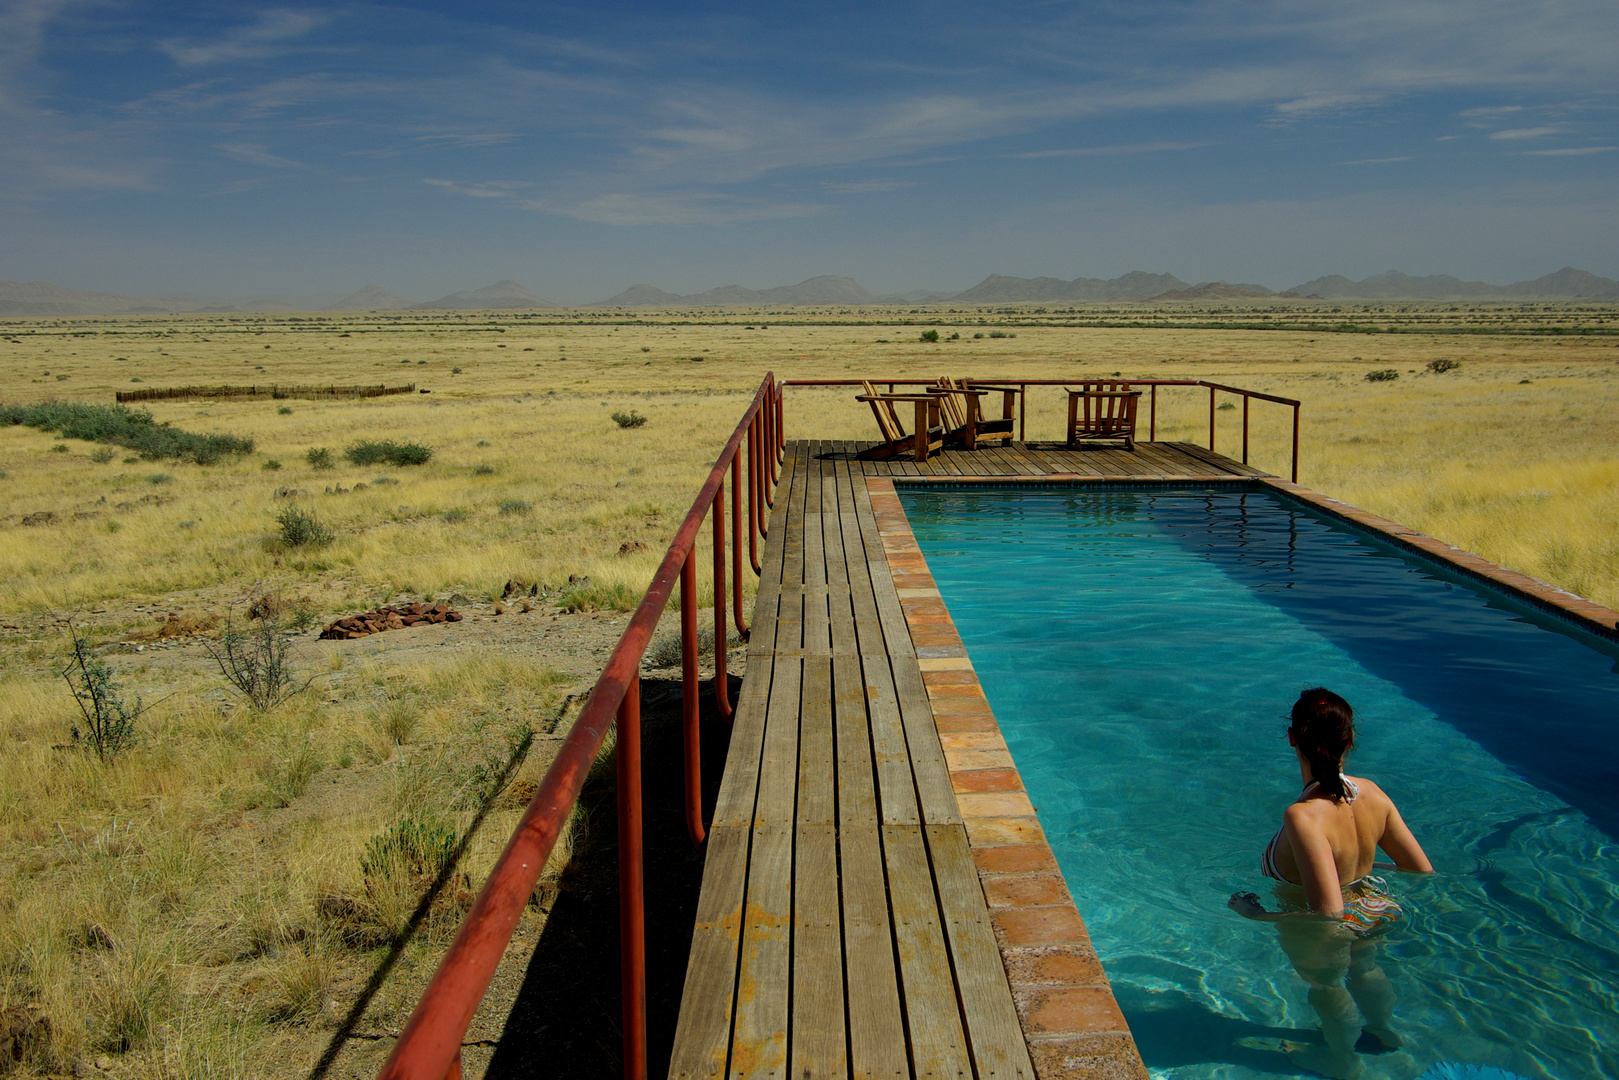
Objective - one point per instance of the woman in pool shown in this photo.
(1326, 848)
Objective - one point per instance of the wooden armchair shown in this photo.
(927, 436)
(961, 408)
(1102, 410)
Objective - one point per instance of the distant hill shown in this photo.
(502, 294)
(1216, 290)
(370, 298)
(1136, 285)
(37, 298)
(1566, 284)
(823, 290)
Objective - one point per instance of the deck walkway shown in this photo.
(842, 928)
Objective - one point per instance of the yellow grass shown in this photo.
(207, 855)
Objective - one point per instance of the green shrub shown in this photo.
(59, 448)
(411, 849)
(102, 455)
(258, 663)
(109, 722)
(929, 335)
(455, 516)
(1439, 367)
(319, 457)
(483, 470)
(515, 506)
(160, 478)
(631, 419)
(997, 333)
(1385, 375)
(300, 527)
(119, 425)
(388, 451)
(272, 464)
(284, 411)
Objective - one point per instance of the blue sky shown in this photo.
(232, 150)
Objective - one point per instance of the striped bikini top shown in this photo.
(1267, 861)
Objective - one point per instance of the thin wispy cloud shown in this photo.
(1377, 160)
(1572, 151)
(269, 36)
(1527, 133)
(258, 155)
(1112, 151)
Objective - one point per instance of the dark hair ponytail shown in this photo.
(1323, 729)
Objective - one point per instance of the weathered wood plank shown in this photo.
(896, 789)
(934, 794)
(993, 1031)
(818, 1041)
(759, 1039)
(938, 1046)
(703, 1032)
(816, 761)
(740, 783)
(776, 805)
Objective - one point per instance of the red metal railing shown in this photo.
(429, 1047)
(1152, 406)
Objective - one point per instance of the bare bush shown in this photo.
(257, 662)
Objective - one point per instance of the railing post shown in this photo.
(736, 543)
(1245, 400)
(688, 697)
(631, 887)
(1152, 415)
(1022, 411)
(756, 525)
(1211, 418)
(722, 689)
(1295, 444)
(454, 1071)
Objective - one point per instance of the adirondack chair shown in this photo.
(961, 408)
(927, 436)
(1102, 410)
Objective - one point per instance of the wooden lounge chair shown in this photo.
(961, 408)
(927, 436)
(1102, 410)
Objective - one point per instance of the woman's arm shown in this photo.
(1400, 845)
(1312, 851)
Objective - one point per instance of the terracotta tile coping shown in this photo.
(1070, 1020)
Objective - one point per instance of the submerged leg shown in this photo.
(1374, 994)
(1321, 956)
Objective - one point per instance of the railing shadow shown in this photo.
(565, 1021)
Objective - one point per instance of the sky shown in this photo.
(234, 150)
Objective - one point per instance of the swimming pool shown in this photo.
(1140, 648)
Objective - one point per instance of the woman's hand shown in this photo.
(1247, 905)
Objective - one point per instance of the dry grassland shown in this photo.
(201, 905)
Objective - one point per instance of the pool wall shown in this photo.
(1070, 1019)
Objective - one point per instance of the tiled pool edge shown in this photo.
(1594, 617)
(1065, 1005)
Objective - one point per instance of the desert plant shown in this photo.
(483, 470)
(160, 478)
(455, 515)
(300, 526)
(319, 457)
(59, 448)
(289, 777)
(929, 335)
(1440, 366)
(515, 506)
(394, 453)
(257, 662)
(272, 464)
(119, 425)
(102, 455)
(629, 419)
(109, 721)
(1385, 375)
(303, 617)
(284, 411)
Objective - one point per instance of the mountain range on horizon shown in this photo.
(40, 299)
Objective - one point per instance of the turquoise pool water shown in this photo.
(1141, 649)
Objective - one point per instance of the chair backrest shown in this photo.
(1105, 414)
(887, 420)
(951, 405)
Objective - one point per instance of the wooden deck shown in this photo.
(842, 928)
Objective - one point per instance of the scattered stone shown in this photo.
(25, 1034)
(43, 517)
(630, 547)
(289, 493)
(389, 618)
(267, 607)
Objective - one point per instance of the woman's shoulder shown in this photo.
(1367, 789)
